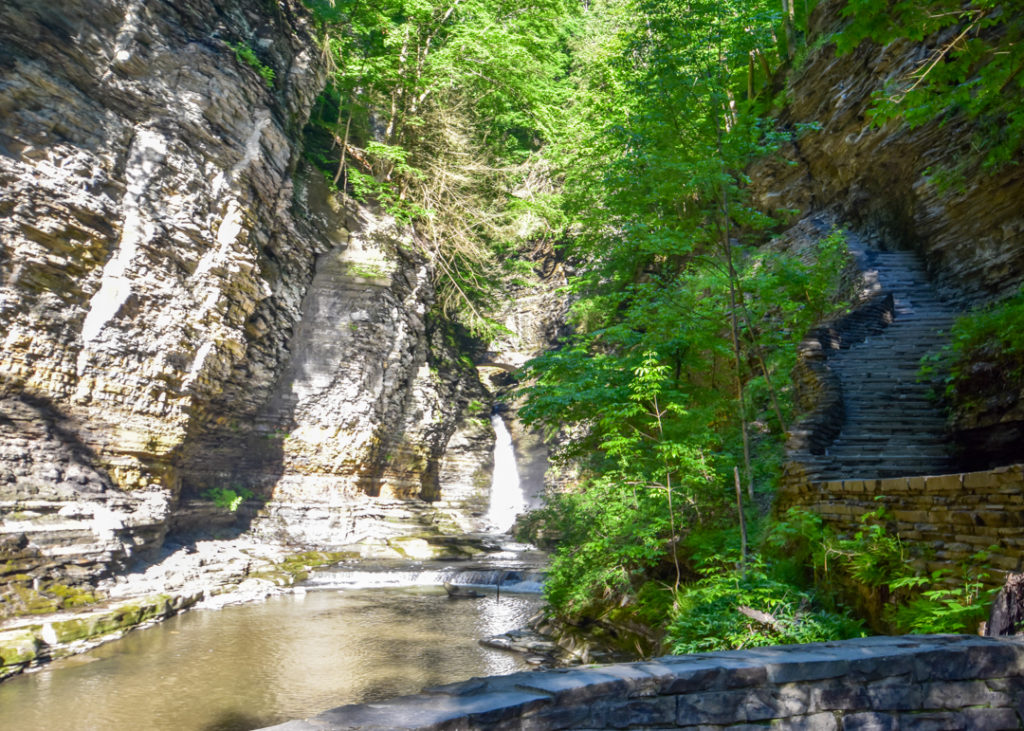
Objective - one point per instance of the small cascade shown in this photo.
(507, 499)
(510, 580)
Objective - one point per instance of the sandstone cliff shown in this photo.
(184, 307)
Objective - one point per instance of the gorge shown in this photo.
(276, 277)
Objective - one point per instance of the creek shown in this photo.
(255, 665)
(352, 633)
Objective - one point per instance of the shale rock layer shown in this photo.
(185, 307)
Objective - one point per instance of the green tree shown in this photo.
(438, 111)
(684, 321)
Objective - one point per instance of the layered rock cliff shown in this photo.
(146, 190)
(890, 179)
(184, 307)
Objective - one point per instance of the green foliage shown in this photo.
(227, 497)
(943, 604)
(245, 54)
(741, 608)
(663, 120)
(874, 557)
(627, 519)
(974, 68)
(875, 563)
(797, 547)
(438, 111)
(997, 332)
(985, 356)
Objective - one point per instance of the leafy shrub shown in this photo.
(748, 608)
(874, 557)
(797, 548)
(228, 498)
(995, 333)
(942, 604)
(881, 571)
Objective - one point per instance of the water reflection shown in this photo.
(251, 666)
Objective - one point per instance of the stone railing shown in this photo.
(953, 516)
(922, 682)
(817, 390)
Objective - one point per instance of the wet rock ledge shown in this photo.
(924, 681)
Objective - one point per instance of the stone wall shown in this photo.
(876, 683)
(816, 389)
(950, 516)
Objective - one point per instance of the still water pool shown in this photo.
(256, 665)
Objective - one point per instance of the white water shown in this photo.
(507, 499)
(520, 581)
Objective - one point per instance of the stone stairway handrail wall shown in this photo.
(936, 681)
(951, 516)
(818, 392)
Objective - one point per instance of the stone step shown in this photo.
(868, 439)
(887, 435)
(892, 425)
(882, 451)
(906, 463)
(899, 390)
(884, 408)
(913, 435)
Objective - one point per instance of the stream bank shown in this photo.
(203, 574)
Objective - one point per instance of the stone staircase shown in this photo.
(890, 425)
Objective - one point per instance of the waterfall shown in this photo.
(507, 499)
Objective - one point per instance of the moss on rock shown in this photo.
(17, 647)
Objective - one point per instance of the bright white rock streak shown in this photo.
(507, 499)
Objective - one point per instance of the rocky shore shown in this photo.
(205, 574)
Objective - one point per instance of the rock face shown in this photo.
(887, 182)
(884, 179)
(145, 185)
(535, 317)
(360, 413)
(184, 307)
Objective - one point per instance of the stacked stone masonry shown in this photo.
(881, 683)
(955, 515)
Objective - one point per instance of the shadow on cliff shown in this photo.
(51, 454)
(228, 474)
